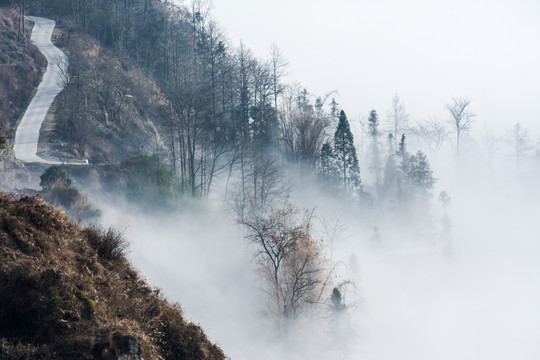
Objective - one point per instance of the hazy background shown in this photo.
(427, 51)
(411, 302)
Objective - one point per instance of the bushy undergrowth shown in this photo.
(69, 293)
(59, 189)
(148, 180)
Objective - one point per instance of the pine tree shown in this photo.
(345, 154)
(334, 112)
(336, 298)
(420, 174)
(388, 188)
(327, 167)
(375, 164)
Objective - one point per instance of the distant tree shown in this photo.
(60, 190)
(492, 144)
(278, 67)
(397, 118)
(303, 129)
(345, 154)
(334, 109)
(402, 148)
(337, 305)
(432, 133)
(290, 260)
(444, 200)
(518, 139)
(327, 166)
(376, 241)
(419, 173)
(375, 164)
(53, 175)
(388, 187)
(461, 119)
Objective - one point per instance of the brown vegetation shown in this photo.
(69, 293)
(108, 108)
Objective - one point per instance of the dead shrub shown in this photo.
(109, 244)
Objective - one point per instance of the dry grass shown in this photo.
(63, 296)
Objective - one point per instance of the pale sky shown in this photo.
(427, 51)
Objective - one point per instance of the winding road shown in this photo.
(27, 134)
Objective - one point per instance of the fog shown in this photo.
(468, 290)
(426, 51)
(411, 298)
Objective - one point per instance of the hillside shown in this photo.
(108, 109)
(69, 293)
(21, 66)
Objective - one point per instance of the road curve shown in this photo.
(27, 134)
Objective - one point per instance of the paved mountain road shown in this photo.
(27, 134)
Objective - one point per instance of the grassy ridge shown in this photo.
(68, 292)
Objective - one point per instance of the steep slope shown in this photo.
(21, 65)
(69, 293)
(108, 110)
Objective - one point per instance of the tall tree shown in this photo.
(432, 133)
(345, 154)
(397, 118)
(290, 259)
(461, 119)
(420, 174)
(327, 167)
(518, 139)
(278, 67)
(375, 164)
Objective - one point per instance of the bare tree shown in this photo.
(518, 139)
(303, 130)
(290, 260)
(278, 65)
(492, 144)
(461, 118)
(432, 133)
(397, 118)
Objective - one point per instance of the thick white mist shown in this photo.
(412, 300)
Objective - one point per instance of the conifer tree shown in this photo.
(327, 168)
(345, 154)
(375, 162)
(420, 174)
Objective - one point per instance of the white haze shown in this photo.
(427, 51)
(411, 300)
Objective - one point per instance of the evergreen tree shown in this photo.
(327, 167)
(373, 131)
(334, 112)
(402, 152)
(388, 187)
(420, 174)
(345, 154)
(336, 298)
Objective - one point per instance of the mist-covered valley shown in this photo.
(409, 293)
(287, 224)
